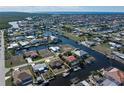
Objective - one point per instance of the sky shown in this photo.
(62, 9)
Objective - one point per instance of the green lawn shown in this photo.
(103, 48)
(48, 74)
(8, 73)
(37, 58)
(45, 53)
(8, 82)
(74, 37)
(66, 47)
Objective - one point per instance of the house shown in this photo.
(88, 43)
(30, 37)
(39, 80)
(19, 38)
(84, 83)
(29, 60)
(22, 77)
(115, 75)
(32, 54)
(34, 41)
(23, 43)
(29, 18)
(120, 55)
(13, 45)
(72, 60)
(108, 82)
(43, 41)
(89, 60)
(80, 53)
(114, 45)
(54, 49)
(53, 38)
(40, 68)
(117, 39)
(56, 63)
(122, 33)
(97, 40)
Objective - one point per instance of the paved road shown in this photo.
(2, 65)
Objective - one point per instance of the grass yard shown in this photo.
(103, 49)
(14, 61)
(8, 82)
(44, 53)
(8, 73)
(74, 37)
(61, 70)
(66, 48)
(37, 58)
(47, 75)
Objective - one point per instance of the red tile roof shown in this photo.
(71, 58)
(116, 74)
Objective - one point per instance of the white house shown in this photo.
(121, 55)
(30, 37)
(80, 53)
(54, 49)
(13, 45)
(40, 67)
(29, 60)
(23, 43)
(115, 45)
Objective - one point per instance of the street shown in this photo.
(2, 65)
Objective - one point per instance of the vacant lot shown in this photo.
(14, 61)
(45, 53)
(66, 48)
(103, 49)
(74, 37)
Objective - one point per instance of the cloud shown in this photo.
(63, 8)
